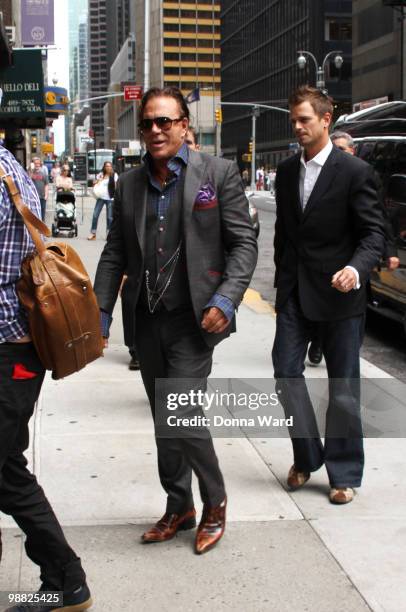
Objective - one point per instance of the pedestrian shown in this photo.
(189, 250)
(21, 377)
(40, 179)
(192, 139)
(245, 175)
(271, 178)
(63, 182)
(104, 189)
(127, 314)
(344, 141)
(329, 235)
(260, 178)
(56, 171)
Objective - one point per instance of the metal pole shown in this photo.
(253, 136)
(135, 119)
(94, 148)
(146, 44)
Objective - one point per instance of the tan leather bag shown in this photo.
(58, 296)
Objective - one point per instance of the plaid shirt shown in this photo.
(161, 197)
(15, 244)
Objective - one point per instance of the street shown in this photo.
(384, 342)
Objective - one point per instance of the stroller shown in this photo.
(65, 214)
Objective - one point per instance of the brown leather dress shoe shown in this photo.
(297, 479)
(344, 495)
(168, 526)
(211, 527)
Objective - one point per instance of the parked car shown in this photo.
(379, 135)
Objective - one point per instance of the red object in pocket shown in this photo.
(20, 372)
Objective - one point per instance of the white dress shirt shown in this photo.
(309, 173)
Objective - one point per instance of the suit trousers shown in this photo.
(342, 452)
(21, 376)
(170, 346)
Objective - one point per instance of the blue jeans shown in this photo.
(43, 207)
(342, 452)
(96, 213)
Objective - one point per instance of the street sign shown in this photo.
(132, 92)
(47, 147)
(23, 103)
(80, 167)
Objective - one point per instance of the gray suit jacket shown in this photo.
(220, 243)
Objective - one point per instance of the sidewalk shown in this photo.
(94, 452)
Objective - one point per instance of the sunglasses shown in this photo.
(163, 123)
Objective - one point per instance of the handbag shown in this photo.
(57, 295)
(99, 190)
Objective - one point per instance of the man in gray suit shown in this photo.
(181, 231)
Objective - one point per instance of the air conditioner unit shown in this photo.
(11, 33)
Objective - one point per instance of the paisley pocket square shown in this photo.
(206, 197)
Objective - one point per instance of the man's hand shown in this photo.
(344, 280)
(214, 320)
(392, 263)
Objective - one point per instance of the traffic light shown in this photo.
(218, 115)
(34, 143)
(250, 145)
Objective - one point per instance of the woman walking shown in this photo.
(104, 190)
(64, 182)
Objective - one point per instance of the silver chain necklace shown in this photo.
(155, 294)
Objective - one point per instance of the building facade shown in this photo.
(260, 41)
(98, 66)
(78, 63)
(185, 52)
(378, 56)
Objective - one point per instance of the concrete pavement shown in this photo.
(94, 452)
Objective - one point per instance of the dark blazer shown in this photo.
(342, 224)
(221, 248)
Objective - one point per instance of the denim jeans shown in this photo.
(96, 213)
(43, 207)
(342, 452)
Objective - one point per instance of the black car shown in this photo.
(379, 135)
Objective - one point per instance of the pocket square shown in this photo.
(206, 197)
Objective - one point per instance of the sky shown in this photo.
(58, 65)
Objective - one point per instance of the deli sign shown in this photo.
(22, 86)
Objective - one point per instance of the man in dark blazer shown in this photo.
(328, 236)
(344, 141)
(181, 231)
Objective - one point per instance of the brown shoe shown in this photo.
(297, 479)
(168, 526)
(341, 496)
(211, 527)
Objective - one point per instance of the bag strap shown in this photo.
(34, 225)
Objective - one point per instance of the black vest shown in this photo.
(162, 237)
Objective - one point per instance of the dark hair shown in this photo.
(194, 133)
(104, 167)
(320, 102)
(170, 92)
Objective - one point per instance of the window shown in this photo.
(207, 139)
(338, 30)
